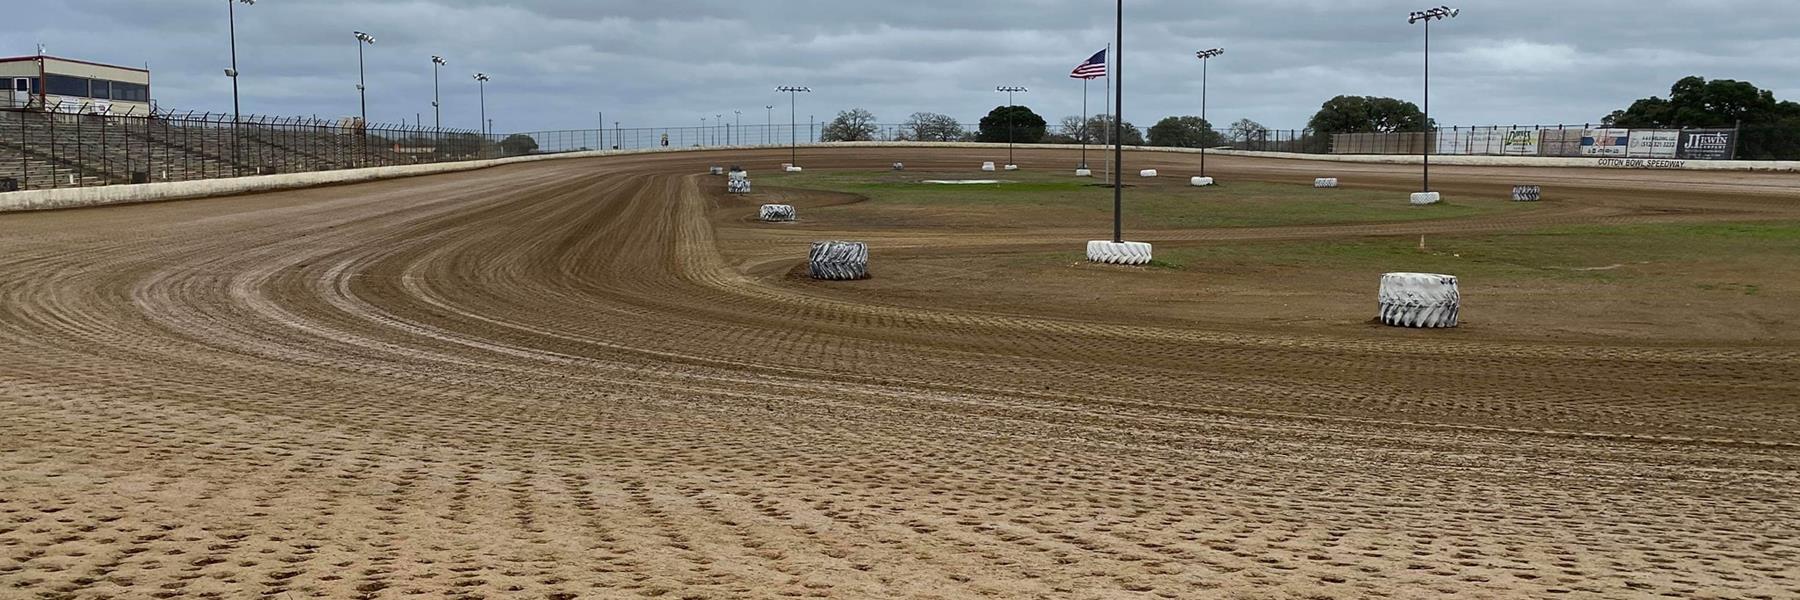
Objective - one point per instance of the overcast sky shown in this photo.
(555, 63)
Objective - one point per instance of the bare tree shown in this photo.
(1245, 130)
(933, 127)
(854, 125)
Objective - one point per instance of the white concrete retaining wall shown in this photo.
(206, 188)
(179, 190)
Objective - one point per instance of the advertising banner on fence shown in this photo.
(1651, 143)
(1605, 142)
(1560, 142)
(1708, 144)
(1520, 142)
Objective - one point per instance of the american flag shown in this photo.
(1094, 68)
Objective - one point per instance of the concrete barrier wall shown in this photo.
(181, 190)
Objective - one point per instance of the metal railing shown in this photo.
(55, 148)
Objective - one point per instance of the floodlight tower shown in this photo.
(362, 91)
(794, 119)
(1427, 16)
(1010, 90)
(237, 114)
(738, 118)
(768, 123)
(1205, 56)
(437, 113)
(481, 80)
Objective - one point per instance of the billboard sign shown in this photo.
(1560, 142)
(1648, 143)
(1605, 142)
(1708, 144)
(1520, 142)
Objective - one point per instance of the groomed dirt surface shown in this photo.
(602, 379)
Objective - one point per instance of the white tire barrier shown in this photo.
(1084, 172)
(793, 169)
(1012, 167)
(1422, 198)
(1119, 253)
(987, 166)
(737, 186)
(839, 261)
(1201, 181)
(738, 173)
(899, 166)
(1147, 173)
(1325, 182)
(1527, 193)
(1422, 300)
(716, 171)
(776, 213)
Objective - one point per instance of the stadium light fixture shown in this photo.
(437, 112)
(1427, 16)
(237, 114)
(481, 80)
(1205, 57)
(793, 93)
(362, 83)
(1010, 90)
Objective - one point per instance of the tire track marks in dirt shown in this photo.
(590, 379)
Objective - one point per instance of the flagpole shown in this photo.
(1108, 127)
(1084, 121)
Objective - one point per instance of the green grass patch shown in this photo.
(1161, 204)
(1591, 253)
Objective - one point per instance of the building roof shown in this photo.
(85, 62)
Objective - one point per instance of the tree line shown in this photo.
(1770, 128)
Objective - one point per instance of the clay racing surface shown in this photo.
(604, 379)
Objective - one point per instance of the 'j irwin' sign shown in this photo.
(1708, 144)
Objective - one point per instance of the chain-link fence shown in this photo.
(50, 148)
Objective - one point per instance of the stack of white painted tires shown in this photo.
(738, 186)
(839, 261)
(1419, 300)
(1325, 182)
(1527, 193)
(1119, 253)
(776, 213)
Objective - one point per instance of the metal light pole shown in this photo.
(1427, 16)
(700, 134)
(481, 80)
(237, 115)
(738, 117)
(1118, 74)
(362, 90)
(768, 123)
(1010, 89)
(718, 122)
(1205, 56)
(437, 113)
(794, 119)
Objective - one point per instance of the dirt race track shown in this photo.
(601, 379)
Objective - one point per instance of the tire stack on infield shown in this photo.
(1419, 300)
(776, 213)
(839, 261)
(1119, 253)
(1527, 193)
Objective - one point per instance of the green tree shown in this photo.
(854, 125)
(1695, 102)
(1366, 114)
(1026, 126)
(1770, 127)
(1185, 132)
(518, 144)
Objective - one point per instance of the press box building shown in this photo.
(65, 85)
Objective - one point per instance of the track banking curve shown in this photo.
(600, 378)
